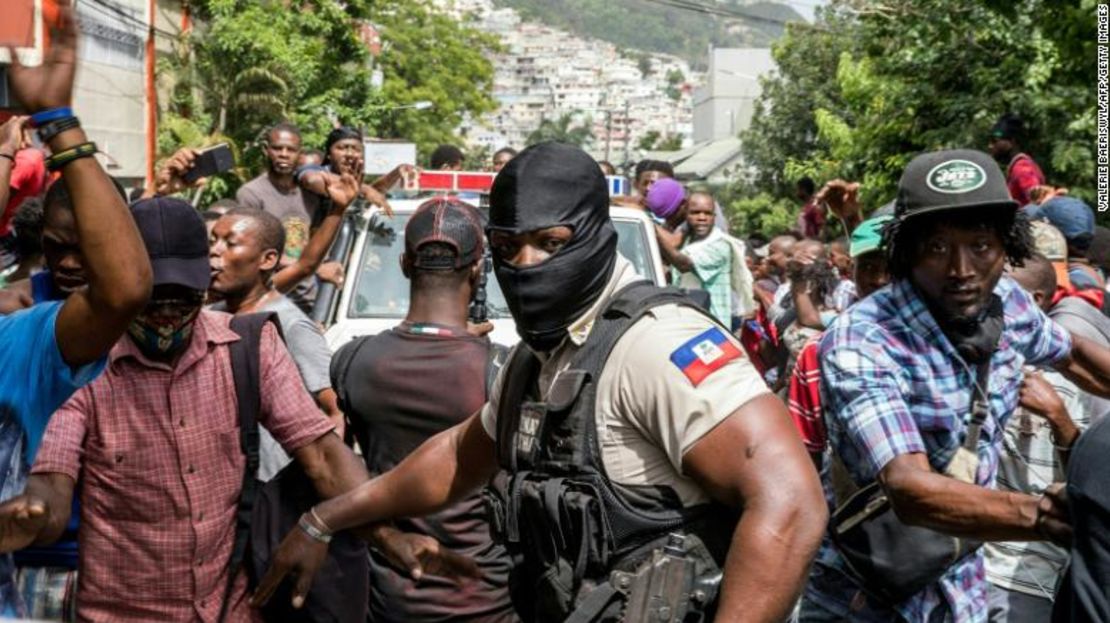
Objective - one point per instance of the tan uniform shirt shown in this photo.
(649, 413)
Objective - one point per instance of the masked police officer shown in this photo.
(626, 437)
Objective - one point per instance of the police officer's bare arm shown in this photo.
(116, 262)
(754, 461)
(444, 469)
(772, 480)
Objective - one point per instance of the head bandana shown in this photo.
(339, 134)
(549, 185)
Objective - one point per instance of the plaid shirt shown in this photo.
(804, 397)
(712, 257)
(157, 449)
(893, 384)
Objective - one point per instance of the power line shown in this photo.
(705, 9)
(97, 4)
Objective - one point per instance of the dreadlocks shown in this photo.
(902, 243)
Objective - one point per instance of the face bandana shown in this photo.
(161, 340)
(976, 339)
(549, 185)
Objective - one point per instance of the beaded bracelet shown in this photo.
(62, 158)
(312, 531)
(43, 117)
(54, 128)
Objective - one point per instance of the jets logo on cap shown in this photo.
(955, 177)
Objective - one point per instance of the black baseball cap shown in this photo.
(449, 221)
(950, 179)
(176, 241)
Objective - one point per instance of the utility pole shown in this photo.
(627, 133)
(608, 132)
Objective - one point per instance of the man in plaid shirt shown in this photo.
(896, 373)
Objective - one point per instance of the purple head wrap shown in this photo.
(664, 197)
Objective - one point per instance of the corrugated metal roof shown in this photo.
(708, 158)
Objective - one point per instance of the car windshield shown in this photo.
(382, 291)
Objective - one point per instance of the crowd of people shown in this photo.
(888, 414)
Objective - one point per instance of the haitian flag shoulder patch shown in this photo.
(704, 354)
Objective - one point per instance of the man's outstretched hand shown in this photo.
(170, 178)
(341, 189)
(49, 85)
(841, 197)
(22, 518)
(299, 556)
(417, 555)
(1053, 519)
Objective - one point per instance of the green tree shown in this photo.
(874, 82)
(564, 130)
(670, 143)
(250, 63)
(648, 140)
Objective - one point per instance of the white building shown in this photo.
(724, 106)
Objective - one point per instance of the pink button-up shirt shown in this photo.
(157, 449)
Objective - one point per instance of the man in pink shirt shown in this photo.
(155, 444)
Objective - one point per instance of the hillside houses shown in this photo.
(544, 73)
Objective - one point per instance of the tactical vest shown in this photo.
(576, 538)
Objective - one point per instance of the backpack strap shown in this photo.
(521, 375)
(497, 358)
(245, 363)
(523, 368)
(628, 305)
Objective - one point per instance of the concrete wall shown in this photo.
(109, 92)
(724, 106)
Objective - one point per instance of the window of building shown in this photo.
(109, 37)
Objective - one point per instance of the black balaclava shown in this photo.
(548, 185)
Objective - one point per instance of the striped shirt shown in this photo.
(893, 384)
(1028, 464)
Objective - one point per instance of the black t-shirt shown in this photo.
(1085, 592)
(399, 388)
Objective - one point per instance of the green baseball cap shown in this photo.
(868, 236)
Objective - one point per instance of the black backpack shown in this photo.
(268, 511)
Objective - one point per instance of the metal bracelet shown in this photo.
(321, 522)
(312, 531)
